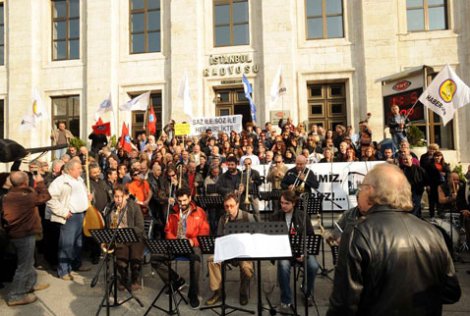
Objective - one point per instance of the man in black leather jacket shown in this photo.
(391, 262)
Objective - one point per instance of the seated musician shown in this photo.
(294, 219)
(300, 178)
(187, 221)
(232, 214)
(127, 214)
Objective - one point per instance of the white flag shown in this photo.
(28, 123)
(184, 94)
(105, 106)
(446, 93)
(139, 103)
(39, 111)
(279, 87)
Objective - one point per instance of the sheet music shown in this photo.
(251, 246)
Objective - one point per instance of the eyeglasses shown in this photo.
(172, 175)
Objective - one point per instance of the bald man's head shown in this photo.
(19, 178)
(300, 162)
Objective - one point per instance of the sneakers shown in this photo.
(285, 309)
(194, 302)
(67, 277)
(27, 299)
(214, 299)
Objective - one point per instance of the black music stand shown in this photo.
(313, 249)
(268, 228)
(206, 243)
(111, 237)
(210, 201)
(172, 248)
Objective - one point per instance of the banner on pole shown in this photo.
(182, 129)
(217, 124)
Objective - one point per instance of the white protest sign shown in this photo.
(217, 124)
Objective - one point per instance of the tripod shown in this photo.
(207, 247)
(110, 237)
(171, 249)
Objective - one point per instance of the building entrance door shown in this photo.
(232, 101)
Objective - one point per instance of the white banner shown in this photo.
(338, 181)
(217, 124)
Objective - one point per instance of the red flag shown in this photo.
(102, 128)
(125, 139)
(152, 122)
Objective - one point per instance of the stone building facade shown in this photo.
(333, 55)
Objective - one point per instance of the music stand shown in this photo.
(172, 248)
(207, 245)
(111, 237)
(268, 228)
(313, 249)
(210, 201)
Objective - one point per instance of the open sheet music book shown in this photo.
(251, 246)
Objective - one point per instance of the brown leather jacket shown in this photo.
(20, 210)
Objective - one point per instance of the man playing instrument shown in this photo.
(230, 180)
(250, 181)
(300, 178)
(125, 213)
(295, 221)
(187, 221)
(232, 214)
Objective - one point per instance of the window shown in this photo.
(324, 19)
(327, 104)
(2, 35)
(2, 119)
(67, 109)
(144, 26)
(138, 117)
(232, 101)
(65, 29)
(426, 15)
(231, 22)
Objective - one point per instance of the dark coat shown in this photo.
(393, 263)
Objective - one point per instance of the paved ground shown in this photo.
(78, 298)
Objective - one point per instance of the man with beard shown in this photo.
(230, 180)
(187, 221)
(101, 198)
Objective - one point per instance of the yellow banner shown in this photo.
(181, 129)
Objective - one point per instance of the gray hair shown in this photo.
(390, 187)
(18, 178)
(69, 165)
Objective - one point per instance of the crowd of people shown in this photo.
(161, 178)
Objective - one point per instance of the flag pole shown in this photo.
(409, 111)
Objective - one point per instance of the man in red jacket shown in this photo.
(186, 222)
(23, 224)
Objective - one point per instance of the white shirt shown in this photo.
(79, 197)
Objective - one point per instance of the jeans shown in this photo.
(283, 276)
(25, 274)
(70, 244)
(397, 137)
(58, 153)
